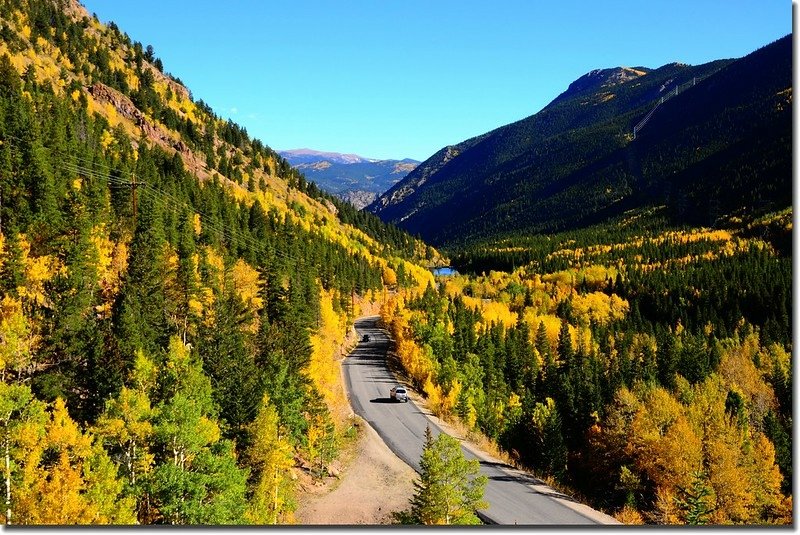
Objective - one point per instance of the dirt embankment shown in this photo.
(374, 483)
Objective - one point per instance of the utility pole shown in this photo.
(133, 197)
(133, 185)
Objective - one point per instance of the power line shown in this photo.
(672, 93)
(164, 200)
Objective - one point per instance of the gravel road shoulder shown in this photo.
(373, 484)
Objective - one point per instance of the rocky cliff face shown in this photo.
(594, 82)
(151, 130)
(123, 105)
(359, 199)
(420, 175)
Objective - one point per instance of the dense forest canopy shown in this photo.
(173, 294)
(647, 368)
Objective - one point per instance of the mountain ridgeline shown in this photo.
(721, 146)
(621, 295)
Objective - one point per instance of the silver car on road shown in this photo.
(399, 393)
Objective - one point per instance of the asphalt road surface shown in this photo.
(513, 496)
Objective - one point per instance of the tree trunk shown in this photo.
(275, 498)
(132, 464)
(8, 478)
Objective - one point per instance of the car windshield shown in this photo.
(400, 390)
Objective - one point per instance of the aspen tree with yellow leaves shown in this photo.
(126, 426)
(67, 477)
(271, 456)
(664, 413)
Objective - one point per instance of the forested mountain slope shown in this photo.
(172, 293)
(722, 145)
(646, 367)
(622, 321)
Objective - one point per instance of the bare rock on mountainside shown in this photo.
(359, 198)
(419, 176)
(126, 108)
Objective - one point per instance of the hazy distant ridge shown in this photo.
(353, 178)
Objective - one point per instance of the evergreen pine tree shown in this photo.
(449, 489)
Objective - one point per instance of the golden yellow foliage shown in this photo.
(442, 403)
(106, 139)
(600, 307)
(433, 393)
(247, 283)
(389, 277)
(421, 276)
(325, 365)
(17, 341)
(38, 270)
(765, 482)
(629, 515)
(196, 223)
(271, 455)
(495, 312)
(552, 325)
(454, 286)
(80, 487)
(415, 361)
(561, 278)
(672, 443)
(111, 262)
(665, 446)
(739, 372)
(471, 302)
(216, 267)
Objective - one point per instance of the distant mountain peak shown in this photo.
(310, 154)
(601, 78)
(351, 177)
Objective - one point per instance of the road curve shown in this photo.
(513, 496)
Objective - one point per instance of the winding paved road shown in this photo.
(514, 497)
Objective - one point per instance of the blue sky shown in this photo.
(394, 79)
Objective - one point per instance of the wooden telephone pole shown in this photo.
(133, 197)
(133, 185)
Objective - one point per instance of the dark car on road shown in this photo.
(399, 393)
(365, 338)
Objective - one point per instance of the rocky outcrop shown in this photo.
(359, 198)
(127, 109)
(420, 175)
